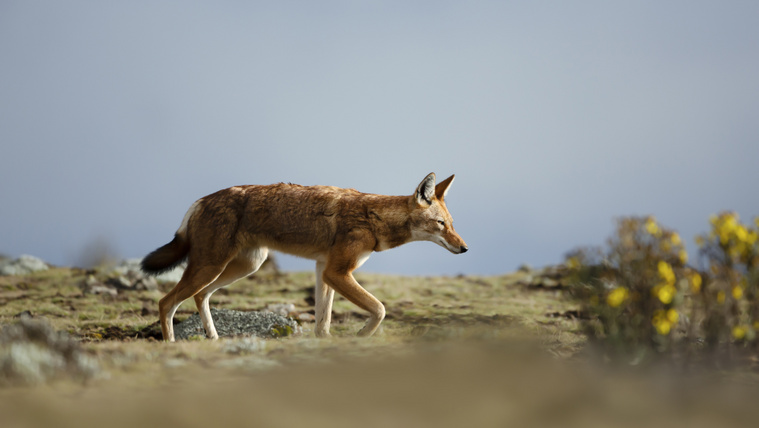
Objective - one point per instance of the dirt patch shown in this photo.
(122, 333)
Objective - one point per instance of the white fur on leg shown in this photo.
(323, 296)
(205, 317)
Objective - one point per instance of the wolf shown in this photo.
(227, 235)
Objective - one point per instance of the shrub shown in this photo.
(644, 300)
(729, 254)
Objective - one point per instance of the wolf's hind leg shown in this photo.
(242, 265)
(193, 280)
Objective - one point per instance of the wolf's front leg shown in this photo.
(345, 284)
(323, 296)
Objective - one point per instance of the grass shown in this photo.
(419, 309)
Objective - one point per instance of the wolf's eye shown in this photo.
(441, 222)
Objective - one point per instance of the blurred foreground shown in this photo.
(476, 384)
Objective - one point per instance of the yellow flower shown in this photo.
(695, 282)
(727, 227)
(739, 332)
(573, 263)
(661, 323)
(737, 292)
(721, 297)
(666, 272)
(663, 327)
(683, 255)
(675, 238)
(652, 227)
(665, 293)
(700, 241)
(672, 316)
(617, 296)
(751, 238)
(741, 233)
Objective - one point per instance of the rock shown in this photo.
(238, 323)
(306, 317)
(146, 283)
(125, 277)
(32, 352)
(102, 289)
(283, 309)
(23, 265)
(91, 285)
(120, 282)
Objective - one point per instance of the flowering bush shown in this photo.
(728, 303)
(645, 300)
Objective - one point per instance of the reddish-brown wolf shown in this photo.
(227, 235)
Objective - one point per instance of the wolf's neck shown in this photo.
(389, 216)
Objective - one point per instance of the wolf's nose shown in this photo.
(464, 249)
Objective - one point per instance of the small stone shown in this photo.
(147, 283)
(102, 289)
(283, 309)
(120, 282)
(306, 317)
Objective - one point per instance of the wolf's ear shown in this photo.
(442, 188)
(426, 190)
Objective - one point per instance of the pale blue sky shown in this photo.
(556, 117)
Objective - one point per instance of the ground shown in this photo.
(453, 351)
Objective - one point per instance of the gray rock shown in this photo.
(91, 285)
(146, 283)
(32, 352)
(306, 317)
(120, 282)
(283, 309)
(236, 323)
(23, 265)
(126, 276)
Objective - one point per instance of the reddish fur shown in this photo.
(331, 225)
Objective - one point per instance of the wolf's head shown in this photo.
(430, 219)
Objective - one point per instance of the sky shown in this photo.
(556, 117)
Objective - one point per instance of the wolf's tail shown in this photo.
(167, 257)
